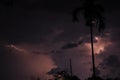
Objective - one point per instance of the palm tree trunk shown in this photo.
(92, 51)
(71, 73)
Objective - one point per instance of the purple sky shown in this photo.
(33, 33)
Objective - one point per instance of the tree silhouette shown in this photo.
(64, 75)
(92, 13)
(61, 75)
(96, 78)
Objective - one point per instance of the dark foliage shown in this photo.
(92, 12)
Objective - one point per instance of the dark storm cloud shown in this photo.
(18, 30)
(61, 5)
(111, 65)
(71, 45)
(22, 24)
(8, 3)
(33, 28)
(112, 61)
(50, 5)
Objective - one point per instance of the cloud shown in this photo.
(111, 64)
(100, 44)
(54, 71)
(14, 47)
(41, 53)
(112, 61)
(20, 62)
(71, 45)
(6, 3)
(33, 31)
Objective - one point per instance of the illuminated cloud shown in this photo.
(14, 47)
(32, 64)
(99, 45)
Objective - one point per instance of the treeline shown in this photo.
(64, 75)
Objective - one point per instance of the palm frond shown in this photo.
(101, 26)
(91, 12)
(75, 14)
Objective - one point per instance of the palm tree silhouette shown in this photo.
(92, 13)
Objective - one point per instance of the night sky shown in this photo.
(34, 35)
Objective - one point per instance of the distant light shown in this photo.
(96, 38)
